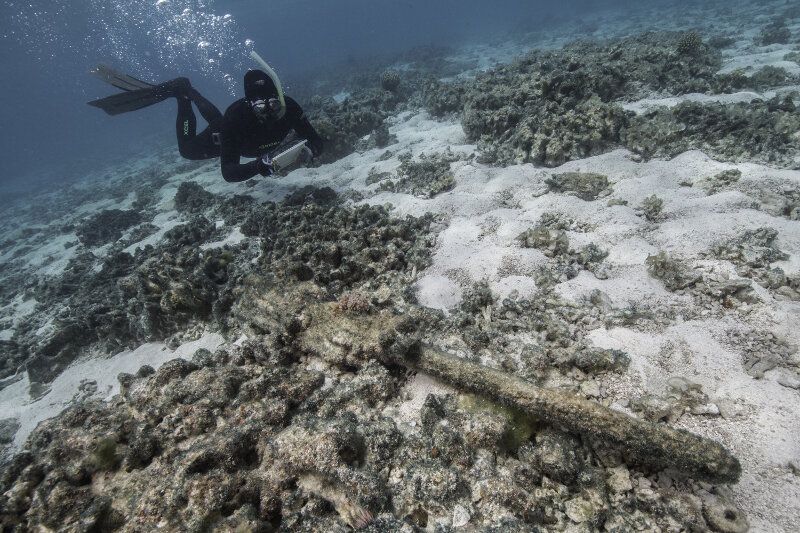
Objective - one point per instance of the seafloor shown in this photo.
(505, 251)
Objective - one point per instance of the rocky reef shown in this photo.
(425, 177)
(168, 289)
(300, 427)
(757, 131)
(337, 402)
(107, 226)
(551, 107)
(252, 438)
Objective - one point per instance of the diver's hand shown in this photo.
(265, 166)
(316, 146)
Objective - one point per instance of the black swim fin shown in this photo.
(118, 79)
(130, 100)
(137, 98)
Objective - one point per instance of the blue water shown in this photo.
(50, 136)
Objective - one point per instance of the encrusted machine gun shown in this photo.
(347, 339)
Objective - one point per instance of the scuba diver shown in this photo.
(259, 125)
(264, 124)
(139, 94)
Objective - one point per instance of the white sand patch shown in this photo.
(164, 221)
(437, 292)
(489, 207)
(762, 432)
(751, 59)
(13, 313)
(648, 104)
(232, 239)
(624, 287)
(413, 394)
(89, 378)
(52, 258)
(340, 97)
(19, 306)
(91, 208)
(514, 287)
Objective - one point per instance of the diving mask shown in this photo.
(267, 108)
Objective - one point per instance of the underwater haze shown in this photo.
(538, 270)
(50, 135)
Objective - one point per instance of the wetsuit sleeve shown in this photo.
(230, 151)
(303, 127)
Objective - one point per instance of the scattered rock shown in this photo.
(619, 480)
(461, 516)
(651, 208)
(766, 134)
(774, 33)
(8, 428)
(585, 185)
(106, 226)
(425, 178)
(723, 516)
(192, 198)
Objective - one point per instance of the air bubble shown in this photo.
(181, 38)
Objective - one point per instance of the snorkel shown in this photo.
(271, 73)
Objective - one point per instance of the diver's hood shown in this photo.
(259, 85)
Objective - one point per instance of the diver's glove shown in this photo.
(316, 146)
(265, 166)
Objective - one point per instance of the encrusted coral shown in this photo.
(689, 44)
(774, 33)
(338, 246)
(753, 254)
(722, 180)
(353, 302)
(425, 177)
(760, 130)
(342, 125)
(585, 185)
(552, 243)
(161, 290)
(552, 107)
(390, 80)
(651, 207)
(674, 275)
(192, 198)
(106, 226)
(709, 289)
(763, 351)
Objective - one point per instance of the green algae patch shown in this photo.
(103, 456)
(521, 426)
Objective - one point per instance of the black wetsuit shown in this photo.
(243, 134)
(192, 145)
